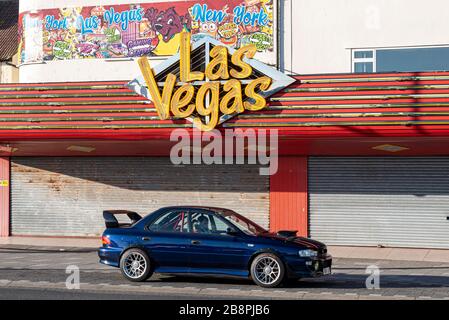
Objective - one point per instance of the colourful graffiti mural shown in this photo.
(152, 29)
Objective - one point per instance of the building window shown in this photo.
(363, 61)
(400, 59)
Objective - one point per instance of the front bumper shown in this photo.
(320, 266)
(310, 267)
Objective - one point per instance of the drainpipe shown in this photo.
(278, 34)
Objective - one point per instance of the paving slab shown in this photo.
(404, 254)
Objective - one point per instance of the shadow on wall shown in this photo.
(138, 173)
(417, 176)
(383, 175)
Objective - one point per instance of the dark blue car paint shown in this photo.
(173, 252)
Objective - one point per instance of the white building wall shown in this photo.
(323, 32)
(316, 35)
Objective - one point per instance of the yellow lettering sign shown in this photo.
(212, 110)
(179, 100)
(237, 60)
(162, 103)
(184, 63)
(250, 90)
(234, 90)
(218, 67)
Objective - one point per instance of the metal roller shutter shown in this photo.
(390, 201)
(66, 196)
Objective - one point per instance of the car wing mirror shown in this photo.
(232, 232)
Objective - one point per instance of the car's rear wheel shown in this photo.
(135, 265)
(267, 270)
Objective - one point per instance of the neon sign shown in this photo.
(182, 102)
(209, 90)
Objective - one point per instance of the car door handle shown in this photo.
(195, 242)
(146, 238)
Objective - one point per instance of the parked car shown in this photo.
(209, 241)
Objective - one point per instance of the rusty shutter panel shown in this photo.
(66, 196)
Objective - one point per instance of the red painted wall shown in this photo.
(4, 197)
(288, 196)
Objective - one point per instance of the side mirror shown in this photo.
(232, 232)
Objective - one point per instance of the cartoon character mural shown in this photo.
(87, 49)
(70, 35)
(237, 28)
(61, 50)
(153, 29)
(167, 25)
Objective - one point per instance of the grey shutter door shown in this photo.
(390, 201)
(66, 196)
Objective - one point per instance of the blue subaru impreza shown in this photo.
(209, 241)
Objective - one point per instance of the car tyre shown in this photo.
(135, 265)
(267, 270)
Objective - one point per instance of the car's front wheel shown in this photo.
(267, 270)
(135, 265)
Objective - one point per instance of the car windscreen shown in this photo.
(245, 225)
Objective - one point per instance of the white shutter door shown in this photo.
(390, 201)
(66, 195)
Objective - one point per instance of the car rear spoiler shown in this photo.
(111, 221)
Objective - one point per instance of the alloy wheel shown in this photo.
(135, 265)
(267, 270)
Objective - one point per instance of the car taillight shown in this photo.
(105, 240)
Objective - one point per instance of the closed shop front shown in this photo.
(389, 201)
(66, 195)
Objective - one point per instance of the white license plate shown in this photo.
(327, 270)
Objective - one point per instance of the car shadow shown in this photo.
(344, 281)
(211, 279)
(386, 281)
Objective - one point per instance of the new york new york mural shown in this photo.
(153, 29)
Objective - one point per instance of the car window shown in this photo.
(172, 221)
(200, 222)
(242, 224)
(208, 223)
(219, 225)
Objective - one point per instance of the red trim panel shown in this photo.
(288, 196)
(315, 106)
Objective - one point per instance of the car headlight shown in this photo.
(307, 253)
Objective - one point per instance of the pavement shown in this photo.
(29, 272)
(63, 294)
(51, 241)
